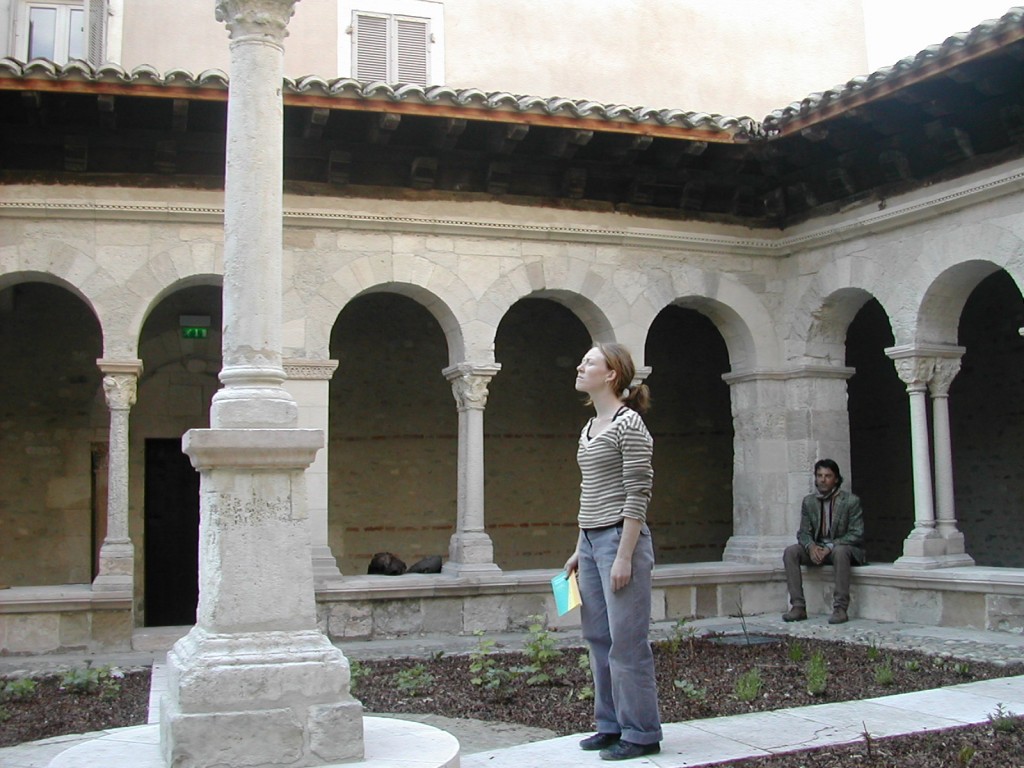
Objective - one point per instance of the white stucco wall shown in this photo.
(739, 58)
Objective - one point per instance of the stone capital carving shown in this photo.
(915, 372)
(120, 390)
(946, 370)
(469, 384)
(256, 20)
(311, 370)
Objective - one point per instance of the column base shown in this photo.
(325, 567)
(757, 550)
(117, 567)
(259, 699)
(470, 553)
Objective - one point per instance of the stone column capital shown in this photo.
(469, 383)
(946, 369)
(120, 390)
(918, 364)
(311, 370)
(256, 20)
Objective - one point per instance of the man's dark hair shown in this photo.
(829, 464)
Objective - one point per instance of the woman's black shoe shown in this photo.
(599, 741)
(627, 750)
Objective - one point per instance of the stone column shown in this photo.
(255, 683)
(117, 553)
(923, 545)
(470, 549)
(783, 422)
(946, 369)
(309, 383)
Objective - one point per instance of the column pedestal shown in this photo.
(255, 683)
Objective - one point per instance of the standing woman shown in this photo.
(614, 555)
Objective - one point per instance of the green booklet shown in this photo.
(567, 592)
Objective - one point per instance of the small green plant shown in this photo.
(873, 652)
(884, 674)
(690, 691)
(912, 666)
(965, 755)
(541, 651)
(796, 652)
(962, 668)
(356, 672)
(748, 685)
(18, 690)
(817, 674)
(540, 647)
(1003, 720)
(681, 633)
(104, 681)
(482, 665)
(414, 681)
(583, 660)
(4, 715)
(586, 693)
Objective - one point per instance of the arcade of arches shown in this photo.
(758, 364)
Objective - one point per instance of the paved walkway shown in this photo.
(694, 743)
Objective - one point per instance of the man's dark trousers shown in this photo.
(840, 558)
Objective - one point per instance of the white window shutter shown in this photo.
(96, 31)
(370, 46)
(413, 43)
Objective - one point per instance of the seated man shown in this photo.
(831, 533)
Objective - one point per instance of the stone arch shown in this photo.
(938, 315)
(826, 338)
(10, 279)
(442, 292)
(589, 290)
(737, 312)
(145, 307)
(824, 312)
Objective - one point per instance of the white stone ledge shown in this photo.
(57, 599)
(1003, 581)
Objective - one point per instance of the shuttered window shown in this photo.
(390, 47)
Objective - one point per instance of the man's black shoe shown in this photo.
(627, 750)
(599, 741)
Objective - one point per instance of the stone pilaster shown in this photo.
(783, 421)
(255, 683)
(117, 553)
(470, 549)
(923, 546)
(309, 383)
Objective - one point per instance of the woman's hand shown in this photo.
(622, 572)
(572, 563)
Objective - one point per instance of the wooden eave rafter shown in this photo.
(899, 82)
(344, 103)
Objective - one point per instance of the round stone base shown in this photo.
(387, 743)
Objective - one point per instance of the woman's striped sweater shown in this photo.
(616, 471)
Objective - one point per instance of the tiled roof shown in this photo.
(741, 128)
(1006, 29)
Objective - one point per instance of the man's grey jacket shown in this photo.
(847, 524)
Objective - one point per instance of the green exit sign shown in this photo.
(194, 332)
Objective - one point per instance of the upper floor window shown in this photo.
(397, 41)
(51, 30)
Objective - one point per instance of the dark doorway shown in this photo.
(172, 535)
